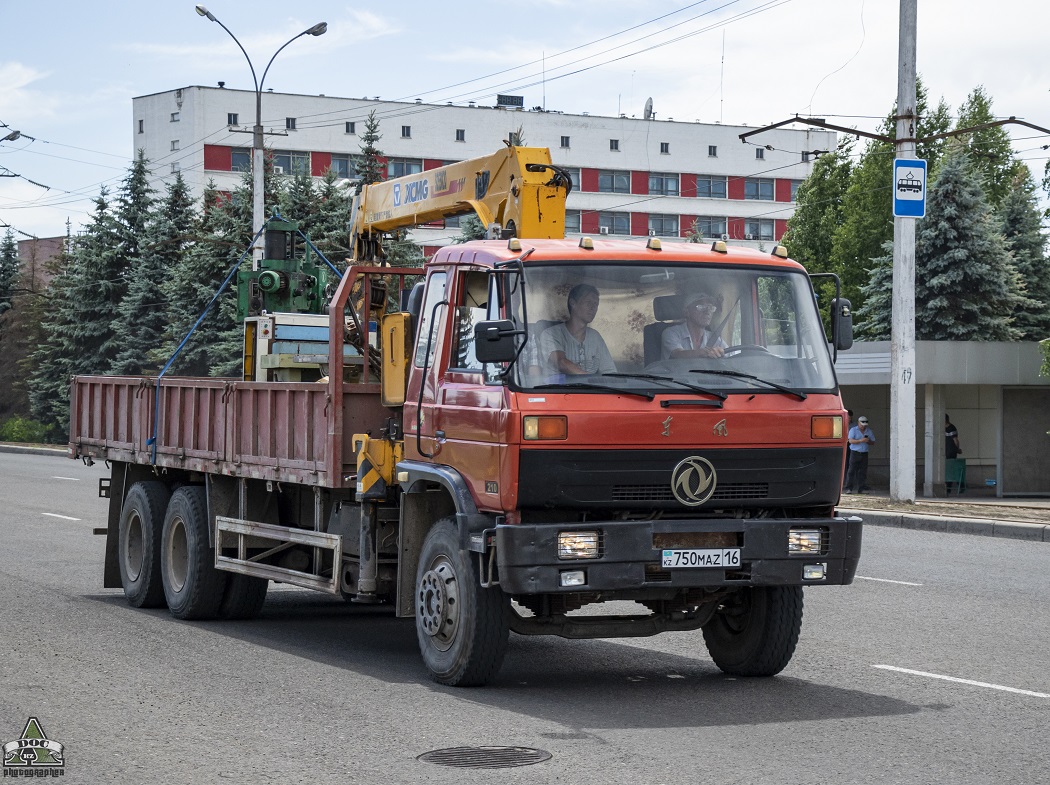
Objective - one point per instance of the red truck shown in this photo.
(453, 466)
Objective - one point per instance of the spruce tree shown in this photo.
(1020, 224)
(966, 284)
(470, 228)
(875, 316)
(8, 271)
(143, 313)
(331, 232)
(991, 150)
(370, 165)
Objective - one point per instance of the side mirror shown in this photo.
(842, 323)
(494, 341)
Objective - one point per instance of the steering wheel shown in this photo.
(745, 348)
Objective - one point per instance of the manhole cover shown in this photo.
(485, 757)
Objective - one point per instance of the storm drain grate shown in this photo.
(485, 757)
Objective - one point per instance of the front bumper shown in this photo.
(630, 560)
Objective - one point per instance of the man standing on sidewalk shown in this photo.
(860, 439)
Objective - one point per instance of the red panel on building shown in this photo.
(589, 222)
(782, 190)
(640, 224)
(319, 162)
(688, 185)
(640, 183)
(735, 190)
(218, 158)
(589, 182)
(431, 163)
(780, 227)
(430, 250)
(735, 228)
(685, 222)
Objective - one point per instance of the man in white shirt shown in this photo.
(572, 347)
(694, 338)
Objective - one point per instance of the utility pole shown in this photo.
(902, 336)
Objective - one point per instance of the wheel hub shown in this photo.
(437, 606)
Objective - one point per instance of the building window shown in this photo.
(614, 223)
(231, 118)
(572, 221)
(565, 141)
(794, 189)
(758, 229)
(758, 188)
(665, 148)
(663, 184)
(141, 130)
(291, 162)
(614, 182)
(174, 144)
(452, 221)
(712, 151)
(343, 166)
(175, 167)
(406, 132)
(350, 128)
(399, 167)
(574, 175)
(711, 186)
(174, 117)
(241, 159)
(289, 124)
(461, 134)
(709, 226)
(663, 225)
(760, 153)
(614, 145)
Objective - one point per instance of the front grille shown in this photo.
(663, 493)
(655, 573)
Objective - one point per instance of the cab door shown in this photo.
(421, 437)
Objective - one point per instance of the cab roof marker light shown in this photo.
(654, 244)
(514, 244)
(719, 246)
(586, 243)
(780, 251)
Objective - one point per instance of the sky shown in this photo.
(69, 69)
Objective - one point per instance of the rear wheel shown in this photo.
(462, 628)
(192, 585)
(755, 631)
(141, 522)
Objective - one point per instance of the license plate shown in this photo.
(702, 557)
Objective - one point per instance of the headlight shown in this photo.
(804, 541)
(578, 545)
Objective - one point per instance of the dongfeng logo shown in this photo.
(693, 481)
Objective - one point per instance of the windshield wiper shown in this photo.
(592, 386)
(740, 375)
(651, 377)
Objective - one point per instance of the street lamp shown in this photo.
(258, 209)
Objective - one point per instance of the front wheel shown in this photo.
(754, 632)
(462, 628)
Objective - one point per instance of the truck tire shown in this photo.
(139, 536)
(462, 628)
(244, 598)
(192, 585)
(755, 632)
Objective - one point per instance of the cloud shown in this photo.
(18, 103)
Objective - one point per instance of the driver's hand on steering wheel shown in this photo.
(711, 351)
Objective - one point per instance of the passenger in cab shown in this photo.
(573, 347)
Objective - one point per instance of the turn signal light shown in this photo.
(545, 427)
(826, 426)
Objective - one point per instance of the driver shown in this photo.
(572, 347)
(694, 337)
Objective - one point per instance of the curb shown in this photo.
(983, 527)
(25, 449)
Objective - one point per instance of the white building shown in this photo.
(631, 176)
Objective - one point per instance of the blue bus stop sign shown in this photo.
(909, 188)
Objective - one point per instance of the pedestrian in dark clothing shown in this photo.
(861, 437)
(951, 439)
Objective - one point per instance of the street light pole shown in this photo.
(258, 206)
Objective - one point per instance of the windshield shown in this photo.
(676, 327)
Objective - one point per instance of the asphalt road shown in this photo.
(316, 690)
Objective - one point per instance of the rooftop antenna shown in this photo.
(721, 80)
(647, 113)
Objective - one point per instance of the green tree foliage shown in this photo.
(8, 272)
(470, 228)
(402, 252)
(874, 317)
(990, 149)
(370, 165)
(1020, 224)
(331, 230)
(143, 313)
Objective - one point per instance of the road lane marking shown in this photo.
(885, 580)
(56, 477)
(962, 681)
(56, 515)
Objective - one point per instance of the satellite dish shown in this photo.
(648, 112)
